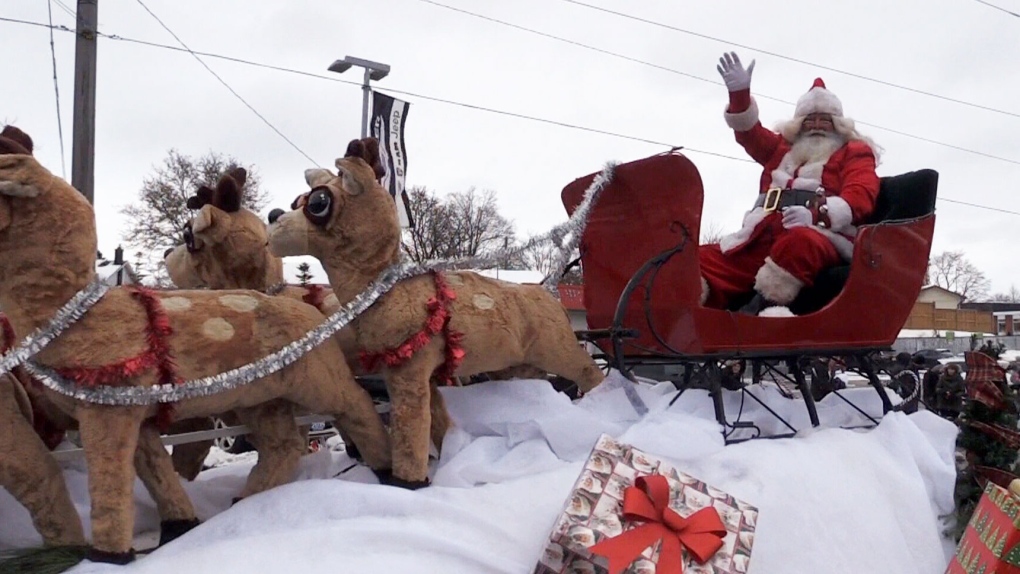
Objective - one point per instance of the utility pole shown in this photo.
(83, 153)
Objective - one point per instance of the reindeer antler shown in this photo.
(15, 141)
(226, 196)
(368, 150)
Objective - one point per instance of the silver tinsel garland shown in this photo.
(575, 226)
(71, 312)
(240, 376)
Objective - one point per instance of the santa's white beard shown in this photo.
(815, 146)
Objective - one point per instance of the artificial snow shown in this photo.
(831, 500)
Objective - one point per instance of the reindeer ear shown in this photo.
(203, 196)
(228, 194)
(13, 140)
(239, 174)
(373, 158)
(317, 176)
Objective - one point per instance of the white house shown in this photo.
(942, 298)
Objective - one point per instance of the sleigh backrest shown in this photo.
(651, 206)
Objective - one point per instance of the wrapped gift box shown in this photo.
(593, 513)
(991, 543)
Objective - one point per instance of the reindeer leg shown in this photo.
(440, 417)
(110, 437)
(155, 469)
(556, 351)
(278, 442)
(410, 416)
(189, 459)
(32, 475)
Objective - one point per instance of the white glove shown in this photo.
(797, 216)
(733, 72)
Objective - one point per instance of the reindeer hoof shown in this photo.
(387, 478)
(170, 530)
(120, 558)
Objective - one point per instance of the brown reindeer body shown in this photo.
(47, 254)
(348, 222)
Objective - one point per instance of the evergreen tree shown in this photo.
(304, 274)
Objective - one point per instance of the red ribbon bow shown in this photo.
(701, 533)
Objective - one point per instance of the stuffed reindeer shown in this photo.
(427, 328)
(133, 337)
(232, 253)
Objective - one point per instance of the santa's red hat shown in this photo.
(819, 100)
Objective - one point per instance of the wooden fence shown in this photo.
(926, 316)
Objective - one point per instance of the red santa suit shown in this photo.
(765, 256)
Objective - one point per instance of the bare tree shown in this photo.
(478, 226)
(952, 271)
(459, 225)
(712, 233)
(1011, 296)
(157, 219)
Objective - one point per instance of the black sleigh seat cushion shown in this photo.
(905, 196)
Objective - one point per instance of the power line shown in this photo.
(797, 60)
(1010, 12)
(703, 79)
(64, 7)
(466, 105)
(56, 92)
(225, 84)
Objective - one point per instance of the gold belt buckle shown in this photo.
(772, 197)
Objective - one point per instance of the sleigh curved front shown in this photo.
(639, 255)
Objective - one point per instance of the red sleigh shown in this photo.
(639, 257)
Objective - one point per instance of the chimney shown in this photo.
(118, 259)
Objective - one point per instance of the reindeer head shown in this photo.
(46, 226)
(347, 219)
(224, 244)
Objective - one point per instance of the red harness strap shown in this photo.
(438, 320)
(157, 356)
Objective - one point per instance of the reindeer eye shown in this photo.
(318, 206)
(189, 239)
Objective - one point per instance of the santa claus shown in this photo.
(818, 184)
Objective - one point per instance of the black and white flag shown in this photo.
(387, 125)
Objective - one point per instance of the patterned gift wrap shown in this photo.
(991, 543)
(593, 513)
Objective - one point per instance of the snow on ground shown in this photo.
(830, 500)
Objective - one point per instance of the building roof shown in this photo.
(929, 288)
(992, 306)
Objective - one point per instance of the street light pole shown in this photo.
(366, 96)
(373, 71)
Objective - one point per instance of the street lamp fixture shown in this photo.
(373, 71)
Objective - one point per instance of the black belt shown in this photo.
(776, 198)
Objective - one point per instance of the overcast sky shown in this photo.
(152, 99)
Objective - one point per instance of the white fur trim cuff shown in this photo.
(840, 214)
(704, 291)
(776, 284)
(745, 120)
(777, 311)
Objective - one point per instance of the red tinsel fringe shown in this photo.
(438, 320)
(157, 335)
